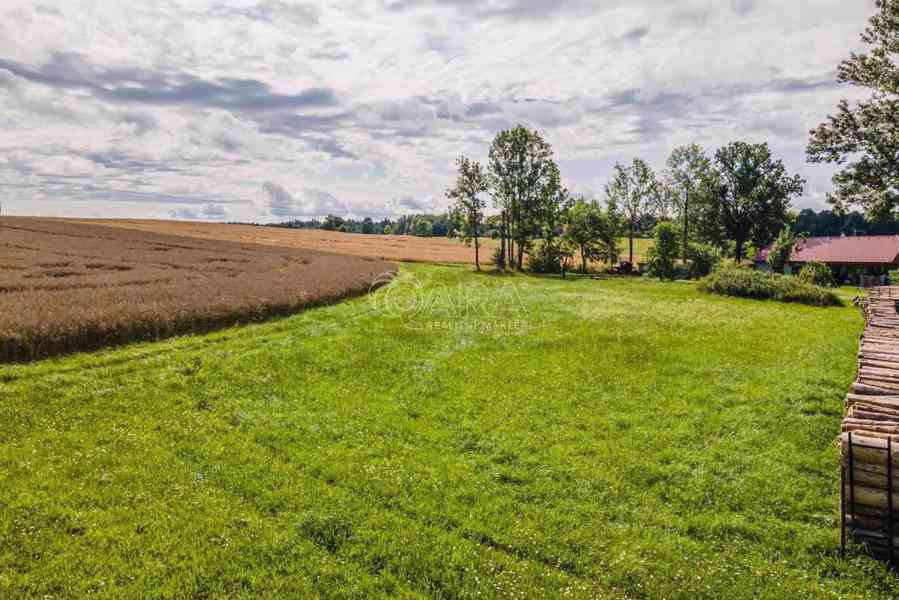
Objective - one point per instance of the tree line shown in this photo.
(737, 198)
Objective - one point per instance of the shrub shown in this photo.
(782, 249)
(747, 283)
(664, 251)
(703, 259)
(499, 258)
(817, 274)
(545, 258)
(894, 277)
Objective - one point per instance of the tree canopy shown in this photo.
(468, 204)
(523, 177)
(635, 191)
(863, 137)
(752, 194)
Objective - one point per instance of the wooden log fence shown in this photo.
(869, 442)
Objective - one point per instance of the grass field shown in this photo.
(68, 286)
(452, 436)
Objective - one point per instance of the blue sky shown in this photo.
(267, 110)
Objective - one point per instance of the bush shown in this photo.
(747, 283)
(894, 277)
(499, 258)
(782, 249)
(817, 274)
(545, 258)
(703, 259)
(664, 251)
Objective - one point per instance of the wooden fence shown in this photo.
(870, 437)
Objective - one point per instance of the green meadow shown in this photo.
(454, 435)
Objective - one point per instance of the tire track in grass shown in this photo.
(445, 523)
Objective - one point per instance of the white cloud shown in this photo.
(310, 203)
(361, 108)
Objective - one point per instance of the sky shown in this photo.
(272, 110)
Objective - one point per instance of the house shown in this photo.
(863, 259)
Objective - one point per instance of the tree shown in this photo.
(584, 230)
(422, 227)
(864, 137)
(368, 226)
(468, 203)
(665, 250)
(752, 193)
(687, 175)
(782, 249)
(521, 169)
(333, 223)
(634, 191)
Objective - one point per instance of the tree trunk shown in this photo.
(520, 254)
(630, 237)
(583, 260)
(477, 246)
(738, 253)
(502, 237)
(686, 226)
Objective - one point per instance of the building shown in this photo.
(863, 259)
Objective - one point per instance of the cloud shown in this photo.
(135, 85)
(409, 205)
(210, 212)
(361, 108)
(312, 203)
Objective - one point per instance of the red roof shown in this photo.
(861, 249)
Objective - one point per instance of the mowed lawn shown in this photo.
(454, 436)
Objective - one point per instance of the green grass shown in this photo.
(612, 439)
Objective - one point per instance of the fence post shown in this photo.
(842, 512)
(890, 498)
(851, 482)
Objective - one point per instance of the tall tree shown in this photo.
(584, 231)
(521, 167)
(864, 137)
(687, 175)
(635, 192)
(468, 203)
(752, 194)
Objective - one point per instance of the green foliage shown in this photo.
(523, 178)
(614, 445)
(583, 231)
(422, 228)
(499, 258)
(703, 258)
(665, 251)
(782, 249)
(861, 137)
(333, 223)
(636, 193)
(467, 203)
(894, 277)
(749, 283)
(753, 192)
(814, 273)
(545, 257)
(388, 230)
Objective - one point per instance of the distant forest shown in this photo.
(828, 222)
(808, 222)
